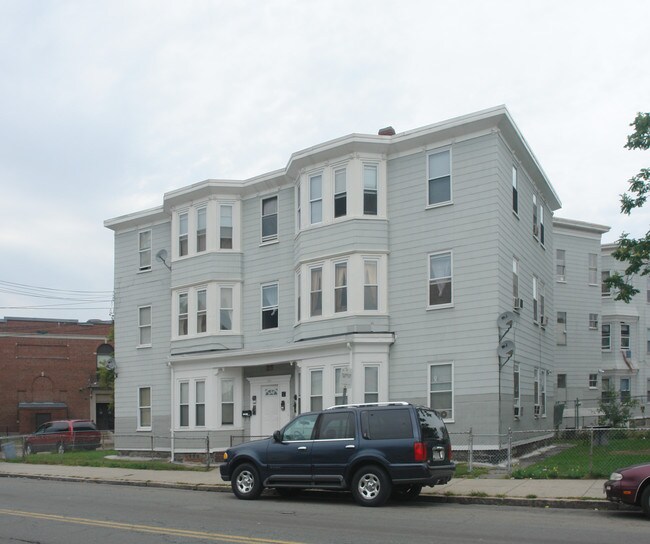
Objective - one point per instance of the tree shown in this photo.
(615, 411)
(634, 252)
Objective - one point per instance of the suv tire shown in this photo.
(371, 486)
(246, 482)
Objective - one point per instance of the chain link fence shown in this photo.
(592, 452)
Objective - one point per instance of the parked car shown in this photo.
(59, 436)
(373, 450)
(630, 485)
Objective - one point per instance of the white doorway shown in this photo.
(270, 403)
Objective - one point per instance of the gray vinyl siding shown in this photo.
(578, 299)
(465, 333)
(141, 367)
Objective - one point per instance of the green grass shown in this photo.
(98, 459)
(462, 472)
(577, 463)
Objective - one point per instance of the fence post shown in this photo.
(151, 446)
(591, 451)
(207, 450)
(509, 462)
(470, 451)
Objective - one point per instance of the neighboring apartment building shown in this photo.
(578, 320)
(48, 369)
(370, 268)
(625, 338)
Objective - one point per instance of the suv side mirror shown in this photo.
(277, 436)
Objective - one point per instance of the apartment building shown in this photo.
(415, 266)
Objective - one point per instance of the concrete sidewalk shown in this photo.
(547, 493)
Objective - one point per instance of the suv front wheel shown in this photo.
(246, 482)
(371, 486)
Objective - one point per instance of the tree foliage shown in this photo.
(635, 252)
(615, 411)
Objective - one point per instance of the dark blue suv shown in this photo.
(373, 450)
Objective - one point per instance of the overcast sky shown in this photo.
(106, 105)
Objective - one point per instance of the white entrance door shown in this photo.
(269, 409)
(270, 398)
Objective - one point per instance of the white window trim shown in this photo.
(322, 268)
(590, 268)
(149, 250)
(275, 238)
(213, 290)
(365, 391)
(453, 386)
(277, 307)
(347, 285)
(607, 349)
(141, 326)
(451, 265)
(141, 427)
(313, 200)
(340, 168)
(191, 403)
(323, 386)
(451, 178)
(558, 278)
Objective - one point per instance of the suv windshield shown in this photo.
(432, 426)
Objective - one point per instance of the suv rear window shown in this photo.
(433, 428)
(83, 426)
(386, 424)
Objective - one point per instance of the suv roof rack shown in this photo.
(363, 404)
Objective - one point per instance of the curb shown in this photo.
(578, 504)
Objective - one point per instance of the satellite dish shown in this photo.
(506, 349)
(162, 255)
(505, 320)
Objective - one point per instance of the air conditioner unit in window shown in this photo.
(536, 410)
(518, 411)
(517, 303)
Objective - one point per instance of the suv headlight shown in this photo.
(615, 476)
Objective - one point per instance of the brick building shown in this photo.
(48, 370)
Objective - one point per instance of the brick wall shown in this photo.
(46, 361)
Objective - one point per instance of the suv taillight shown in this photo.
(420, 451)
(449, 451)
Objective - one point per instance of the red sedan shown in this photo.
(630, 485)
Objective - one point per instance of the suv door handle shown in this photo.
(350, 447)
(302, 448)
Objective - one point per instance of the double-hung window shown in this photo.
(593, 321)
(298, 297)
(340, 390)
(225, 308)
(593, 381)
(593, 269)
(269, 219)
(227, 402)
(535, 218)
(604, 289)
(340, 193)
(183, 233)
(440, 279)
(515, 194)
(560, 265)
(441, 389)
(439, 176)
(541, 224)
(536, 392)
(144, 326)
(201, 311)
(371, 383)
(535, 300)
(341, 287)
(606, 337)
(144, 247)
(625, 337)
(144, 408)
(316, 199)
(184, 404)
(183, 316)
(201, 229)
(370, 285)
(316, 390)
(316, 291)
(560, 335)
(515, 389)
(369, 189)
(199, 403)
(270, 306)
(225, 226)
(625, 389)
(515, 283)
